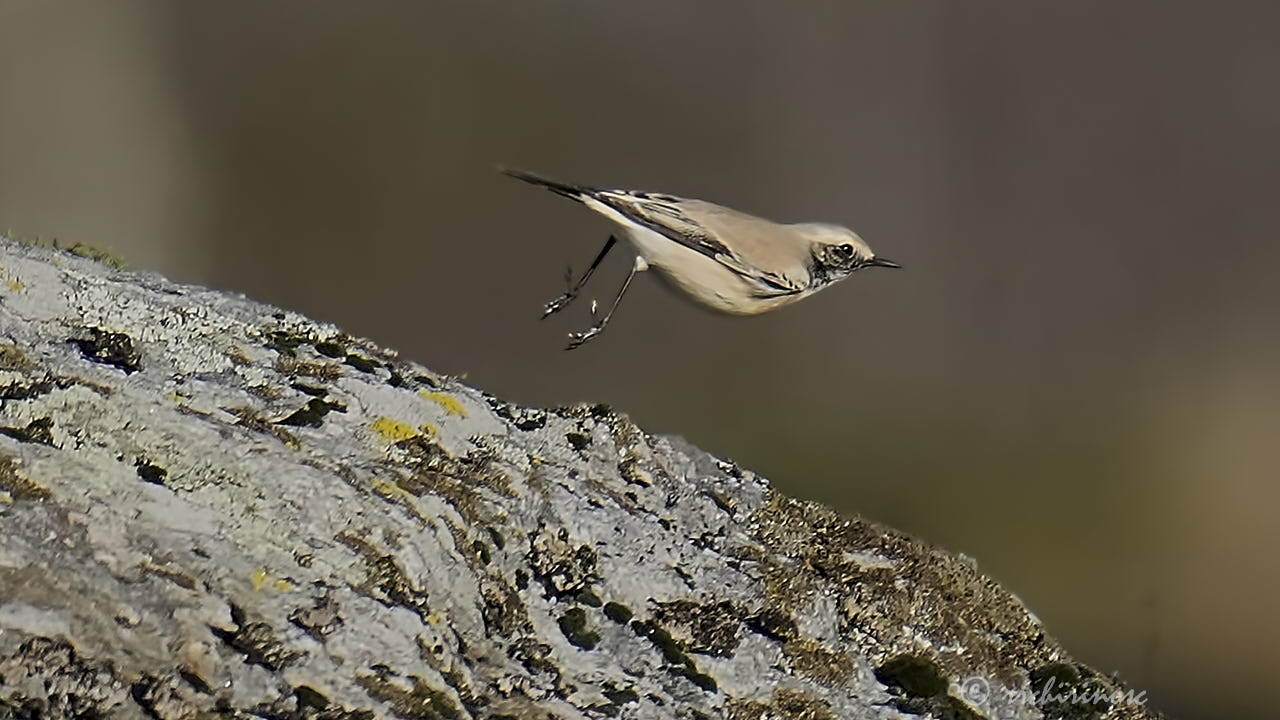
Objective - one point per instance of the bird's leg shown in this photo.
(559, 303)
(578, 338)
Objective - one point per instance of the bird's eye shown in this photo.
(845, 251)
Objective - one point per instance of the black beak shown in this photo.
(881, 262)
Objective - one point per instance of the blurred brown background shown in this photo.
(1075, 380)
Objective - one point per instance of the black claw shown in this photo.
(558, 304)
(577, 339)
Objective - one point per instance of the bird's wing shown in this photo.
(756, 249)
(764, 253)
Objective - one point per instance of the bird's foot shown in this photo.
(558, 304)
(563, 301)
(576, 339)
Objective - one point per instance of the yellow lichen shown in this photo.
(392, 431)
(11, 281)
(261, 578)
(105, 257)
(388, 490)
(450, 405)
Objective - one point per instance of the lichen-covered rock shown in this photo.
(212, 507)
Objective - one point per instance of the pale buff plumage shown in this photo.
(723, 258)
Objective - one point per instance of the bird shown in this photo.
(724, 259)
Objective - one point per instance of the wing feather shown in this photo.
(757, 250)
(700, 226)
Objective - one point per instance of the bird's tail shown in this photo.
(575, 192)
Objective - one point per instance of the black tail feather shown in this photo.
(575, 192)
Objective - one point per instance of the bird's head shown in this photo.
(837, 251)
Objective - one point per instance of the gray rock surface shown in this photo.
(213, 507)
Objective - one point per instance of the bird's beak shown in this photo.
(881, 262)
